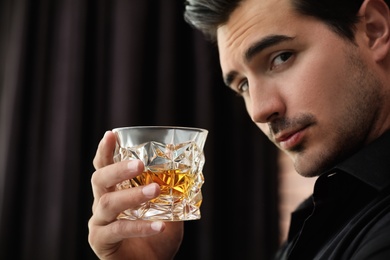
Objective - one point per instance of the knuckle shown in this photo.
(105, 201)
(92, 234)
(119, 227)
(96, 163)
(93, 179)
(132, 228)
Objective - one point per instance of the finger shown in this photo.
(104, 153)
(111, 204)
(122, 229)
(105, 179)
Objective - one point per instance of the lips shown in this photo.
(288, 140)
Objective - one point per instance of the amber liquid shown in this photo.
(180, 196)
(175, 185)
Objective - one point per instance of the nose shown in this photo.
(264, 104)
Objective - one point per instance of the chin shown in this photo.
(308, 166)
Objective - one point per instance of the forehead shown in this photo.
(261, 16)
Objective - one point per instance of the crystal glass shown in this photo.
(173, 158)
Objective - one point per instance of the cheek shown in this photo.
(319, 76)
(264, 128)
(317, 88)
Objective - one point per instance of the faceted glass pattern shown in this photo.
(174, 159)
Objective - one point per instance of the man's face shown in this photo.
(305, 87)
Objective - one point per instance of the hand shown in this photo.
(111, 238)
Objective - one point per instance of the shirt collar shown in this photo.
(371, 164)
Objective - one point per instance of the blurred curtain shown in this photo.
(70, 70)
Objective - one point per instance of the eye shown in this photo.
(280, 60)
(243, 87)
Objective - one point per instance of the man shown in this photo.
(315, 78)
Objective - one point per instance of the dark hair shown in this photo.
(339, 15)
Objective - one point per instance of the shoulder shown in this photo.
(374, 237)
(376, 245)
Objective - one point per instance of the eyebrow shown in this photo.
(256, 48)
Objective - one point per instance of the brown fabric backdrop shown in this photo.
(71, 69)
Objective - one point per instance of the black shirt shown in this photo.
(348, 215)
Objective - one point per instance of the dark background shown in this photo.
(72, 69)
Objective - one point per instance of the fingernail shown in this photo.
(132, 166)
(149, 190)
(156, 226)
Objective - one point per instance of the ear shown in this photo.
(376, 19)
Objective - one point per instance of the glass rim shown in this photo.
(165, 127)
